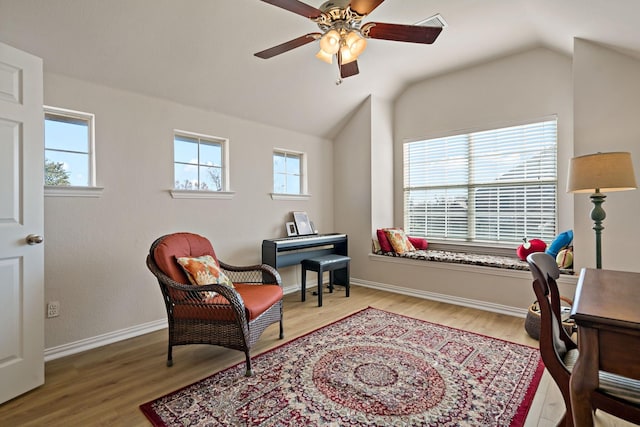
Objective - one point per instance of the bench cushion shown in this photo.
(325, 261)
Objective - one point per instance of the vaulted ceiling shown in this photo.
(200, 52)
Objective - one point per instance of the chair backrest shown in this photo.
(545, 273)
(168, 248)
(556, 347)
(554, 341)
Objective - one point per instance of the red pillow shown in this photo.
(385, 246)
(419, 243)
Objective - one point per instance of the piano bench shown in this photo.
(321, 264)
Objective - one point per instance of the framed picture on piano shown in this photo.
(291, 229)
(302, 223)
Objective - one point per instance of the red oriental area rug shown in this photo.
(373, 368)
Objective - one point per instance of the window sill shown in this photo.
(201, 194)
(281, 196)
(72, 191)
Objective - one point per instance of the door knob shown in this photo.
(34, 239)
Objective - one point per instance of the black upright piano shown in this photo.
(288, 251)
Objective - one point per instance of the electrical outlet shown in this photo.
(53, 309)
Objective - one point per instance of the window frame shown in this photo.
(468, 244)
(225, 192)
(304, 194)
(91, 189)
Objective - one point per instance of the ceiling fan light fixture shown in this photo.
(356, 43)
(324, 56)
(342, 33)
(346, 56)
(330, 42)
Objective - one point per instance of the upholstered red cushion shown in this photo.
(385, 246)
(419, 243)
(257, 299)
(180, 245)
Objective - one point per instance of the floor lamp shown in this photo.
(597, 173)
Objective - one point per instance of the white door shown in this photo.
(21, 215)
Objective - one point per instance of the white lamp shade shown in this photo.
(603, 172)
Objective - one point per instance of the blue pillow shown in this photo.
(563, 239)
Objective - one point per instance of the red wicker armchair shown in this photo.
(234, 318)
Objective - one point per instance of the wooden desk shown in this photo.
(606, 309)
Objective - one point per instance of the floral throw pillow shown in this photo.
(399, 241)
(204, 271)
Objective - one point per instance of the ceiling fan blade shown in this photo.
(296, 6)
(401, 33)
(348, 70)
(364, 7)
(287, 46)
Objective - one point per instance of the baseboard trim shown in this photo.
(145, 328)
(102, 340)
(57, 352)
(449, 299)
(293, 288)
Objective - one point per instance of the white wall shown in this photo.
(96, 247)
(381, 165)
(363, 161)
(529, 85)
(606, 118)
(352, 184)
(525, 86)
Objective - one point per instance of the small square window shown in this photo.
(199, 162)
(68, 148)
(289, 172)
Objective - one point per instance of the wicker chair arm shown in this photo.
(258, 274)
(195, 295)
(234, 299)
(273, 272)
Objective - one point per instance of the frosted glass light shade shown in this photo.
(324, 56)
(604, 172)
(356, 43)
(346, 56)
(330, 42)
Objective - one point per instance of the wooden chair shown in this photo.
(214, 313)
(616, 395)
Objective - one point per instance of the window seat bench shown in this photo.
(495, 261)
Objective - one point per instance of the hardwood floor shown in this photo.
(105, 386)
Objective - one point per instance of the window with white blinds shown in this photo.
(493, 186)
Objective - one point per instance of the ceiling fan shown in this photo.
(343, 34)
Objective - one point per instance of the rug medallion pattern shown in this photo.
(372, 368)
